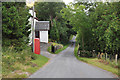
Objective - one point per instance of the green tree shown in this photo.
(51, 11)
(78, 19)
(54, 31)
(97, 25)
(105, 22)
(48, 10)
(15, 28)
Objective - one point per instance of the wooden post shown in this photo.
(106, 56)
(79, 53)
(33, 30)
(101, 55)
(93, 52)
(98, 55)
(116, 58)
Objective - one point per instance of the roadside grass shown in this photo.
(59, 50)
(37, 64)
(97, 62)
(21, 64)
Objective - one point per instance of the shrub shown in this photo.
(85, 54)
(10, 57)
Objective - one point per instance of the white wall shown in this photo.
(31, 22)
(44, 36)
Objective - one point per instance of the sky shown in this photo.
(68, 1)
(30, 2)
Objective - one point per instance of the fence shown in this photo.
(107, 56)
(93, 54)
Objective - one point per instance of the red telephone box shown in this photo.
(37, 46)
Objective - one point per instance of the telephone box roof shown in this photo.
(42, 25)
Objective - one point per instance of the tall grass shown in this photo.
(13, 60)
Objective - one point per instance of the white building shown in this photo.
(40, 29)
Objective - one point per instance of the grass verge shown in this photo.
(59, 50)
(97, 62)
(21, 64)
(37, 63)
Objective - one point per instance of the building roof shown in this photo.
(42, 25)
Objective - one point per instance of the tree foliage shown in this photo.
(48, 10)
(97, 25)
(51, 11)
(106, 26)
(15, 28)
(78, 19)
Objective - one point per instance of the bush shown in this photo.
(58, 48)
(10, 57)
(15, 28)
(85, 54)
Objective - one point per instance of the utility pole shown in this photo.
(33, 31)
(31, 5)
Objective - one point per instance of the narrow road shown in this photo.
(65, 65)
(44, 52)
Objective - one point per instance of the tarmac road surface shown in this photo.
(65, 65)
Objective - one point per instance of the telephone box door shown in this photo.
(37, 46)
